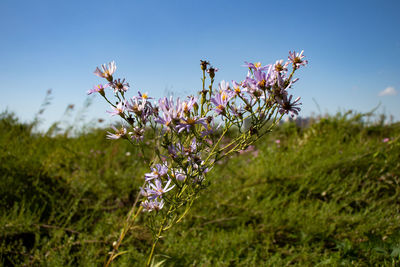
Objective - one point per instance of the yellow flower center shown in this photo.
(190, 121)
(185, 107)
(224, 96)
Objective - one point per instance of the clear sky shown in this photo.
(353, 48)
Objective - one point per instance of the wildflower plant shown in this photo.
(188, 136)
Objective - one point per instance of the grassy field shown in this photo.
(326, 195)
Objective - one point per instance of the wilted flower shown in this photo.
(203, 64)
(119, 85)
(287, 106)
(211, 71)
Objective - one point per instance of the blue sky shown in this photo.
(353, 48)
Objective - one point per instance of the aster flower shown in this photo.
(158, 204)
(287, 106)
(166, 120)
(179, 175)
(118, 133)
(192, 149)
(97, 89)
(171, 113)
(119, 85)
(175, 150)
(237, 87)
(136, 106)
(145, 191)
(187, 124)
(188, 105)
(237, 110)
(159, 171)
(152, 205)
(221, 98)
(297, 59)
(107, 71)
(157, 189)
(262, 79)
(251, 87)
(119, 109)
(279, 66)
(144, 96)
(141, 107)
(137, 134)
(256, 66)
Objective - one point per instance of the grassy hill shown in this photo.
(324, 195)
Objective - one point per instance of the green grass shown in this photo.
(328, 195)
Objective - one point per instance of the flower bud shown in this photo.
(203, 64)
(211, 71)
(130, 120)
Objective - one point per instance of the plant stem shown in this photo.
(157, 238)
(127, 225)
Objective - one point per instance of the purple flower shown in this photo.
(135, 106)
(192, 149)
(237, 87)
(287, 106)
(175, 150)
(137, 134)
(221, 98)
(256, 66)
(171, 113)
(97, 89)
(385, 140)
(179, 175)
(188, 105)
(107, 72)
(118, 133)
(119, 109)
(152, 205)
(145, 191)
(187, 124)
(119, 85)
(144, 96)
(297, 59)
(159, 171)
(279, 66)
(237, 111)
(158, 189)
